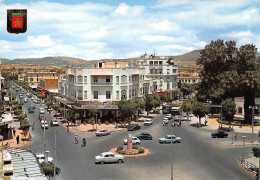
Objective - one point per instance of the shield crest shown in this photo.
(16, 20)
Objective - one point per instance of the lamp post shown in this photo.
(243, 155)
(171, 155)
(96, 122)
(253, 108)
(2, 147)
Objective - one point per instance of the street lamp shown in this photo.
(2, 139)
(253, 108)
(171, 155)
(243, 155)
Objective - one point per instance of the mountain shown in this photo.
(186, 59)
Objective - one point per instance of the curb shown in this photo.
(245, 145)
(246, 167)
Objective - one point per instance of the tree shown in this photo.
(148, 103)
(228, 109)
(139, 105)
(228, 72)
(48, 169)
(199, 110)
(256, 152)
(186, 89)
(187, 107)
(126, 109)
(48, 103)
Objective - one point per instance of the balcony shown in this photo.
(101, 83)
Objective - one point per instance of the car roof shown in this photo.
(144, 133)
(105, 153)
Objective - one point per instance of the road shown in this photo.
(197, 157)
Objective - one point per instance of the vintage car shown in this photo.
(148, 122)
(109, 157)
(54, 122)
(145, 136)
(135, 140)
(169, 139)
(103, 132)
(219, 134)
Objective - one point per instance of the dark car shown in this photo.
(133, 127)
(219, 134)
(144, 135)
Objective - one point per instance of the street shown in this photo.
(198, 156)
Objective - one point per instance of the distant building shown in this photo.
(50, 85)
(189, 78)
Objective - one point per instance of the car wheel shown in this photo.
(178, 141)
(102, 162)
(137, 143)
(164, 142)
(120, 161)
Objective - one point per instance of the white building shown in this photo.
(110, 82)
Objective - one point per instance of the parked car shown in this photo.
(25, 100)
(103, 132)
(44, 123)
(148, 122)
(54, 122)
(41, 110)
(133, 127)
(169, 116)
(109, 157)
(135, 140)
(219, 134)
(32, 106)
(40, 158)
(41, 117)
(169, 139)
(165, 120)
(144, 135)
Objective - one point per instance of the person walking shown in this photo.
(17, 139)
(76, 139)
(236, 137)
(68, 129)
(205, 122)
(14, 132)
(83, 142)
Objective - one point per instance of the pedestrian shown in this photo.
(68, 129)
(236, 137)
(163, 123)
(180, 123)
(14, 132)
(116, 125)
(17, 139)
(205, 122)
(33, 126)
(76, 139)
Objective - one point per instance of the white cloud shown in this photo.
(100, 31)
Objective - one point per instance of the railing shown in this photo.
(101, 83)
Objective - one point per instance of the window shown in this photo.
(95, 79)
(85, 79)
(239, 110)
(168, 85)
(117, 79)
(79, 78)
(130, 78)
(31, 79)
(174, 71)
(117, 94)
(85, 94)
(95, 94)
(168, 71)
(107, 94)
(156, 62)
(107, 79)
(151, 71)
(123, 78)
(160, 62)
(151, 62)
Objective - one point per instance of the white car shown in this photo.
(109, 157)
(165, 120)
(148, 122)
(135, 140)
(41, 110)
(40, 158)
(44, 123)
(54, 122)
(103, 132)
(169, 116)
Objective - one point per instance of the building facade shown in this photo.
(110, 82)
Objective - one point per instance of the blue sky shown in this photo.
(107, 29)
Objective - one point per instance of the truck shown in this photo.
(30, 109)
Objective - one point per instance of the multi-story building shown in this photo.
(110, 82)
(189, 78)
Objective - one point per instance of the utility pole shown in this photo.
(44, 146)
(171, 155)
(55, 149)
(253, 108)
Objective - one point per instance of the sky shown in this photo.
(114, 29)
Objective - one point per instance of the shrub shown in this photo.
(121, 152)
(140, 150)
(120, 148)
(135, 147)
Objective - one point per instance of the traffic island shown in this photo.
(135, 152)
